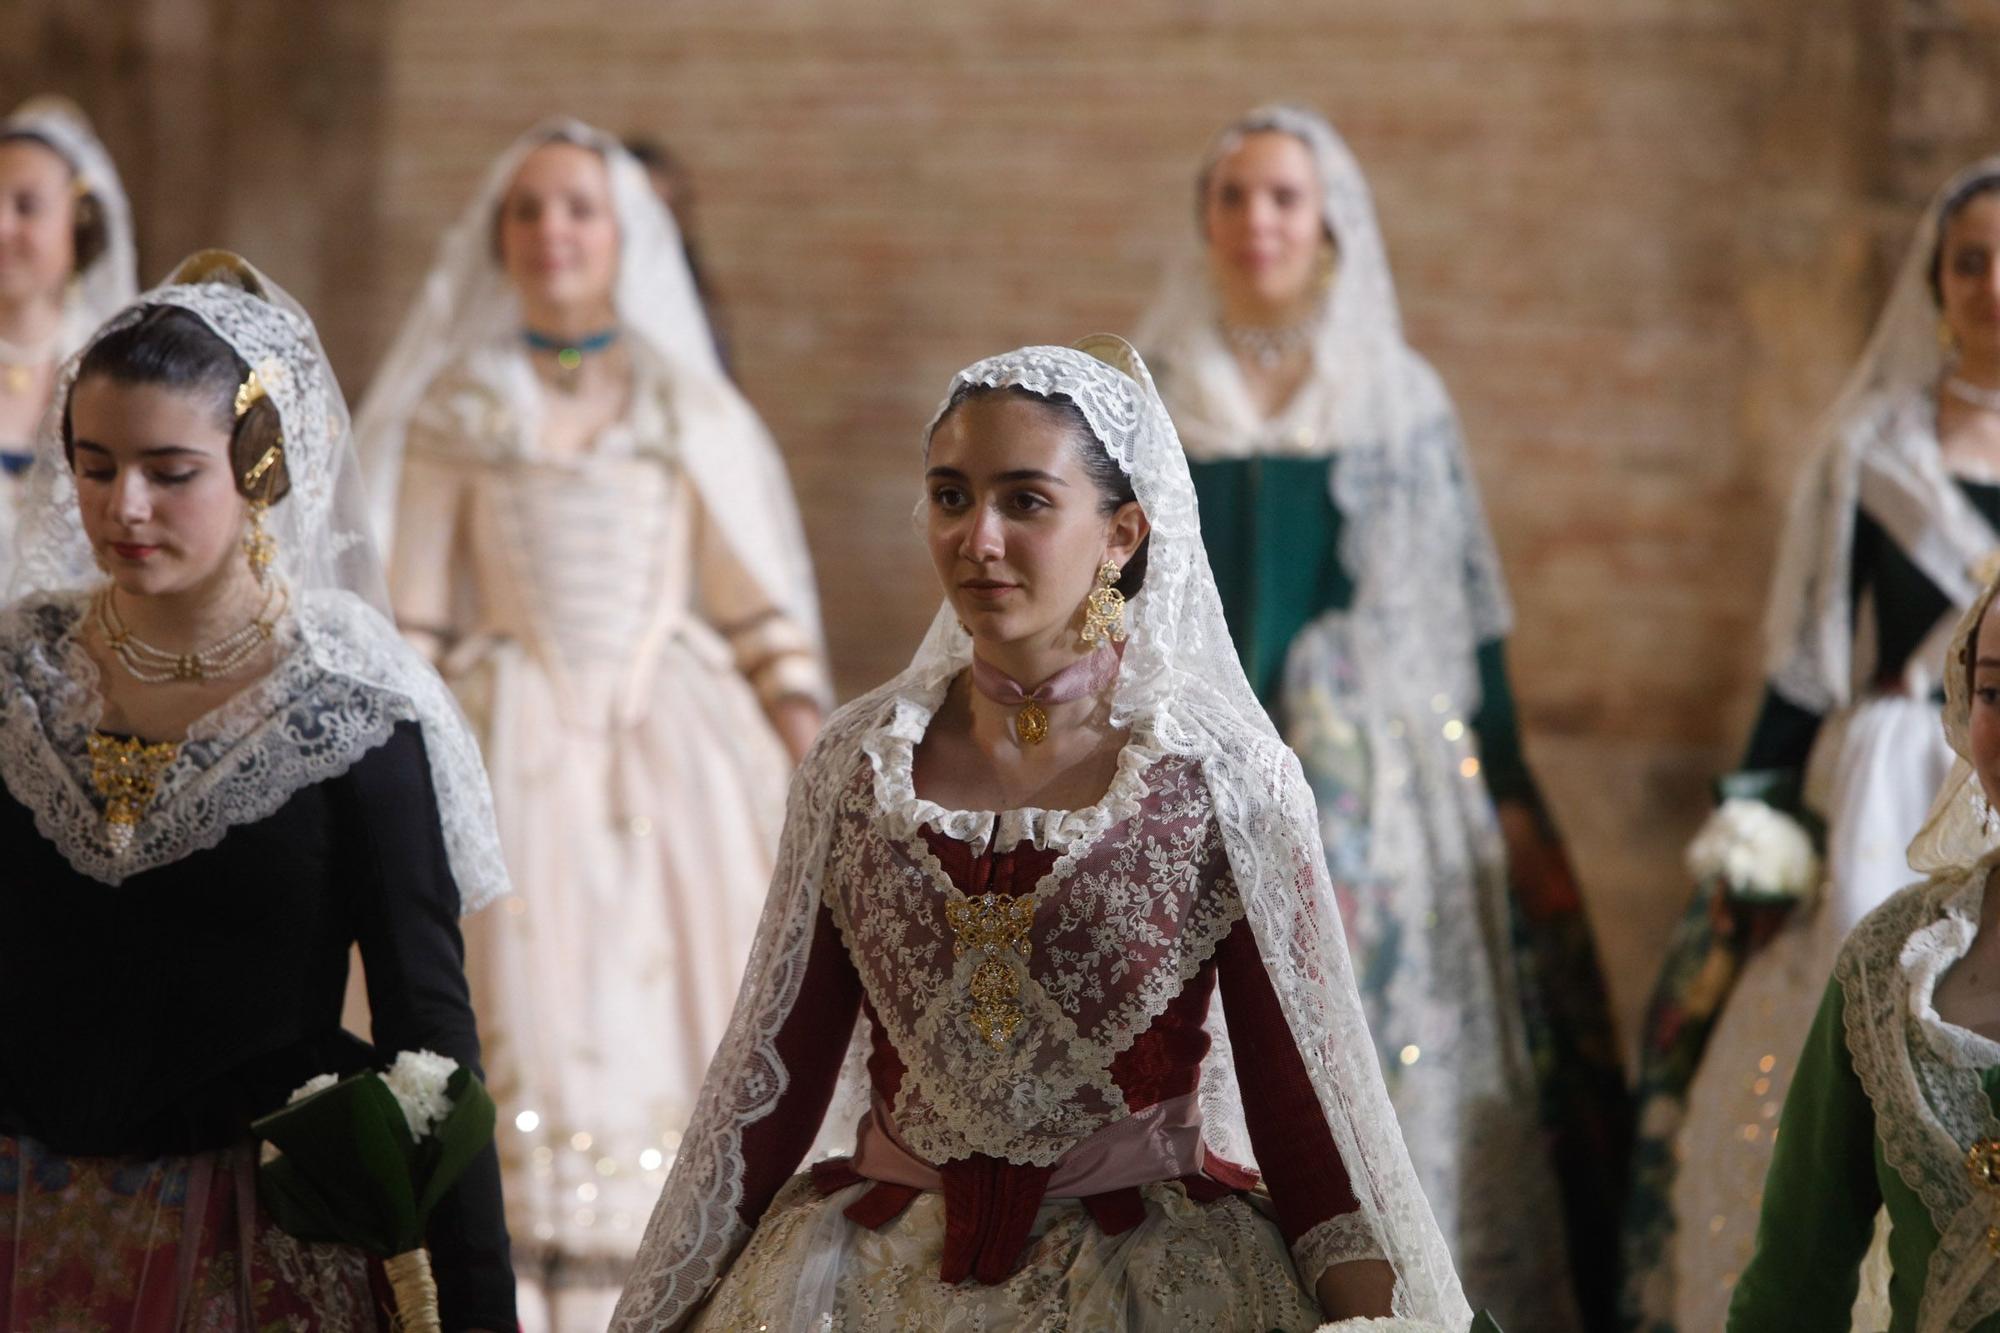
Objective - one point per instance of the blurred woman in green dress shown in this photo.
(1366, 600)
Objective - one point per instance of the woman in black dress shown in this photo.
(221, 768)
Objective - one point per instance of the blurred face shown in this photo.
(1013, 523)
(1261, 218)
(1969, 277)
(37, 207)
(155, 485)
(558, 234)
(1986, 706)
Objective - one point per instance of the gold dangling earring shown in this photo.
(1947, 343)
(1104, 609)
(1327, 270)
(259, 546)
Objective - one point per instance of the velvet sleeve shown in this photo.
(1820, 1196)
(1308, 1181)
(406, 906)
(812, 1044)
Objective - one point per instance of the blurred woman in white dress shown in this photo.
(595, 538)
(66, 266)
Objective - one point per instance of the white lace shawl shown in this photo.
(108, 282)
(466, 310)
(344, 676)
(302, 724)
(1180, 690)
(1415, 540)
(1922, 1077)
(1879, 450)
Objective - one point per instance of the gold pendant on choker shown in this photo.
(992, 924)
(19, 380)
(126, 774)
(1031, 724)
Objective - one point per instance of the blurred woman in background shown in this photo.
(1366, 599)
(595, 539)
(66, 266)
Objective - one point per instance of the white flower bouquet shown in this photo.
(1758, 852)
(363, 1161)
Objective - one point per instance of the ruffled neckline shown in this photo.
(891, 747)
(1931, 951)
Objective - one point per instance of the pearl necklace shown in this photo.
(156, 666)
(1268, 347)
(1975, 395)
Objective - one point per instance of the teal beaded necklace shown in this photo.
(570, 352)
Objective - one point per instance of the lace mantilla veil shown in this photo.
(1878, 448)
(1180, 681)
(1427, 577)
(107, 284)
(344, 677)
(467, 307)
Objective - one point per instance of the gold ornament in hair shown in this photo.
(1104, 609)
(247, 395)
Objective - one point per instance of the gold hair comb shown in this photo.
(247, 393)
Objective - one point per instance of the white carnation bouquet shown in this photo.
(362, 1161)
(1760, 853)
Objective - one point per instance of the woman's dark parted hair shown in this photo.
(174, 348)
(90, 229)
(1953, 206)
(1114, 488)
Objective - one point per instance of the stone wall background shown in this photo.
(1641, 239)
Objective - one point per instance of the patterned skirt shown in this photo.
(1481, 993)
(139, 1245)
(1187, 1265)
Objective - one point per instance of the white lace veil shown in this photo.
(103, 286)
(324, 553)
(1878, 449)
(1415, 540)
(1181, 680)
(1358, 329)
(467, 305)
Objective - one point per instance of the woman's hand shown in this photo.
(1356, 1289)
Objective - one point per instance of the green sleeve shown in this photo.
(1820, 1197)
(1499, 730)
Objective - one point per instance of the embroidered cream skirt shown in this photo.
(1188, 1265)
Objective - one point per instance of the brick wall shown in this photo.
(1641, 240)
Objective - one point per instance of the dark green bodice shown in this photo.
(1273, 536)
